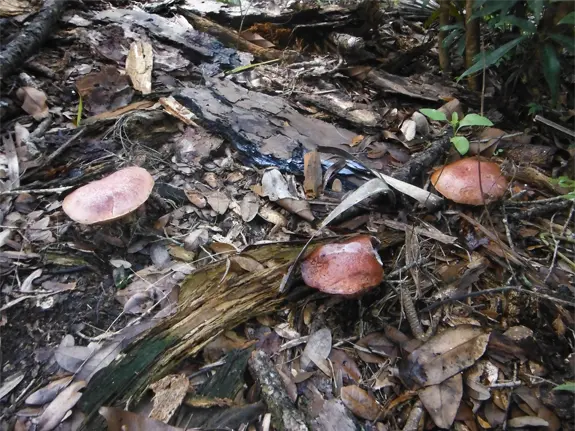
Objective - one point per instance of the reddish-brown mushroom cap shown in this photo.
(347, 268)
(459, 181)
(109, 198)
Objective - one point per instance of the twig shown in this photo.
(554, 125)
(37, 191)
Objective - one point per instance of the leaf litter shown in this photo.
(238, 169)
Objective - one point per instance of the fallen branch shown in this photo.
(31, 38)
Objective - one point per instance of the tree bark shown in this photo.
(471, 45)
(444, 60)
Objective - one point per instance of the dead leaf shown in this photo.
(196, 239)
(272, 216)
(218, 201)
(196, 198)
(275, 186)
(48, 392)
(159, 255)
(179, 111)
(317, 350)
(59, 407)
(454, 105)
(375, 347)
(139, 66)
(361, 403)
(10, 383)
(444, 355)
(247, 263)
(27, 283)
(222, 345)
(422, 125)
(297, 207)
(169, 392)
(249, 207)
(105, 91)
(442, 401)
(346, 365)
(71, 358)
(527, 421)
(408, 128)
(33, 102)
(121, 420)
(12, 161)
(312, 174)
(256, 39)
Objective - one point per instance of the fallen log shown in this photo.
(212, 299)
(31, 38)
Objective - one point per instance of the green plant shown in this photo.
(534, 108)
(569, 386)
(460, 143)
(566, 183)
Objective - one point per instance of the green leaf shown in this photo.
(551, 70)
(522, 24)
(493, 6)
(433, 114)
(537, 7)
(475, 120)
(568, 19)
(565, 41)
(569, 386)
(458, 26)
(452, 37)
(454, 118)
(461, 144)
(492, 57)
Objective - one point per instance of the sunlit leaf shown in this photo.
(492, 57)
(475, 120)
(551, 70)
(433, 114)
(461, 144)
(491, 7)
(522, 23)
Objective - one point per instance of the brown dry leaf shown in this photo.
(361, 403)
(17, 7)
(180, 253)
(247, 263)
(48, 392)
(70, 358)
(489, 147)
(275, 186)
(139, 65)
(112, 115)
(378, 347)
(12, 162)
(454, 105)
(444, 355)
(218, 201)
(256, 39)
(196, 239)
(104, 91)
(356, 140)
(272, 216)
(33, 102)
(176, 109)
(343, 362)
(297, 207)
(527, 421)
(222, 345)
(442, 401)
(58, 408)
(196, 198)
(121, 420)
(412, 253)
(529, 396)
(312, 174)
(223, 247)
(494, 415)
(249, 207)
(169, 392)
(337, 186)
(317, 350)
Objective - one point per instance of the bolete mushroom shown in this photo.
(348, 268)
(109, 198)
(460, 181)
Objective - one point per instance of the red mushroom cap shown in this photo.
(459, 181)
(109, 198)
(347, 268)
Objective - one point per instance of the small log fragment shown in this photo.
(284, 414)
(31, 38)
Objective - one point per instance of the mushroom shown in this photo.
(109, 198)
(348, 268)
(460, 182)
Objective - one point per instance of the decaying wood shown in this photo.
(199, 47)
(413, 171)
(233, 40)
(285, 416)
(212, 300)
(31, 38)
(265, 129)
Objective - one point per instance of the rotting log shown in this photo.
(212, 300)
(31, 38)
